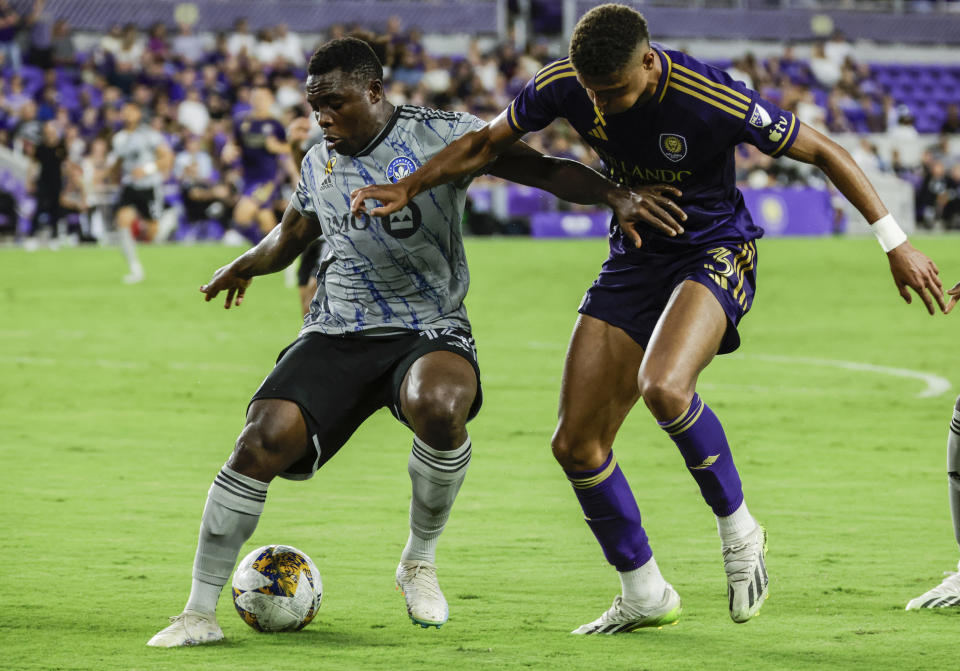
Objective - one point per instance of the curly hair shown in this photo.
(605, 39)
(350, 55)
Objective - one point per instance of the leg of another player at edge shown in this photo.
(947, 593)
(274, 437)
(953, 468)
(597, 391)
(685, 340)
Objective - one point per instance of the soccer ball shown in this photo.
(277, 588)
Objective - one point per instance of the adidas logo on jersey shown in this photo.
(598, 133)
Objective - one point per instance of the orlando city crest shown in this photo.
(399, 168)
(673, 146)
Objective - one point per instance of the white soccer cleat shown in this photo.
(747, 581)
(188, 628)
(135, 276)
(620, 619)
(944, 595)
(417, 580)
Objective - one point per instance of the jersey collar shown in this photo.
(666, 67)
(379, 137)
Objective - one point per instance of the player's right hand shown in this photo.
(393, 196)
(226, 279)
(653, 205)
(954, 294)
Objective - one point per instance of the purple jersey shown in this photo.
(685, 136)
(259, 164)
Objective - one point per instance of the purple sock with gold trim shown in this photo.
(700, 438)
(611, 512)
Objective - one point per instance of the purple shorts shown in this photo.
(632, 294)
(262, 192)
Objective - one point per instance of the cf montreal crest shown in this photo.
(399, 168)
(402, 223)
(673, 146)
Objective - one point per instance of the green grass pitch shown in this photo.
(119, 403)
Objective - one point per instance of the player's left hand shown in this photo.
(912, 268)
(653, 205)
(226, 279)
(954, 297)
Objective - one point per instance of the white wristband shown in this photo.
(149, 168)
(888, 233)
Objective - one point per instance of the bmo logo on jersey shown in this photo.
(399, 168)
(404, 222)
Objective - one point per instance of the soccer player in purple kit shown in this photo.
(260, 144)
(667, 301)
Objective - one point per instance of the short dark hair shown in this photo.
(349, 55)
(605, 39)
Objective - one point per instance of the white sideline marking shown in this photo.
(936, 385)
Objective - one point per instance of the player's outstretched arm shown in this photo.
(909, 266)
(578, 183)
(464, 156)
(276, 251)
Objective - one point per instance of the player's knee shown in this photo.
(264, 449)
(125, 217)
(575, 453)
(439, 415)
(666, 397)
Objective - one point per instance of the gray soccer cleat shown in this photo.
(747, 581)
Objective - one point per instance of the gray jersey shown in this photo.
(136, 149)
(404, 271)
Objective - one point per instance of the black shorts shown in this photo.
(148, 202)
(310, 262)
(340, 380)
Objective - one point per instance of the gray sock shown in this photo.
(129, 248)
(436, 477)
(234, 504)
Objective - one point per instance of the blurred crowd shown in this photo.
(62, 107)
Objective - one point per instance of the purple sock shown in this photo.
(612, 514)
(698, 434)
